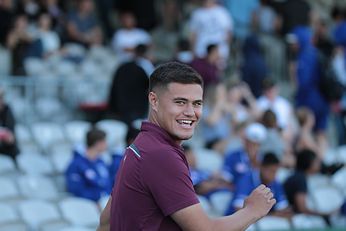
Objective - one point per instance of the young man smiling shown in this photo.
(154, 190)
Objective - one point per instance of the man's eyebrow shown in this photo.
(184, 99)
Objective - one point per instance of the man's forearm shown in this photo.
(238, 221)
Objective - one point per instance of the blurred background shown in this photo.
(73, 92)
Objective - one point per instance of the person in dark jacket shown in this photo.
(8, 145)
(88, 175)
(128, 99)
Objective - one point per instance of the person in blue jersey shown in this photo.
(88, 175)
(204, 182)
(118, 154)
(245, 159)
(266, 174)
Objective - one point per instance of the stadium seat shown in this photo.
(302, 221)
(35, 66)
(76, 131)
(339, 180)
(49, 108)
(8, 215)
(318, 180)
(208, 160)
(36, 213)
(7, 165)
(76, 229)
(37, 187)
(220, 201)
(61, 159)
(35, 164)
(46, 134)
(23, 134)
(71, 210)
(14, 227)
(273, 223)
(327, 199)
(8, 189)
(116, 132)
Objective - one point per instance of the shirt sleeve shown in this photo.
(168, 180)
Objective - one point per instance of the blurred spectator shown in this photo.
(306, 138)
(8, 145)
(208, 67)
(144, 11)
(128, 37)
(274, 142)
(87, 175)
(308, 80)
(241, 12)
(211, 24)
(56, 13)
(49, 38)
(128, 99)
(204, 182)
(7, 17)
(166, 34)
(243, 161)
(296, 186)
(117, 155)
(216, 118)
(183, 51)
(30, 8)
(82, 25)
(282, 108)
(322, 39)
(22, 44)
(253, 69)
(294, 13)
(242, 102)
(266, 175)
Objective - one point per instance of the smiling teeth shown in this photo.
(186, 122)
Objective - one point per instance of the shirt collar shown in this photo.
(160, 133)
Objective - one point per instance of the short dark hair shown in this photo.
(268, 83)
(269, 119)
(305, 158)
(270, 159)
(174, 72)
(93, 136)
(211, 48)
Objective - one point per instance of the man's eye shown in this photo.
(198, 104)
(180, 102)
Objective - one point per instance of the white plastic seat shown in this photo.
(273, 223)
(37, 187)
(46, 133)
(327, 199)
(23, 134)
(7, 165)
(61, 160)
(35, 66)
(76, 229)
(76, 131)
(208, 160)
(339, 180)
(71, 210)
(36, 164)
(48, 107)
(220, 201)
(116, 132)
(8, 215)
(8, 189)
(35, 213)
(14, 227)
(302, 221)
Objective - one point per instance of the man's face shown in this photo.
(177, 109)
(252, 148)
(268, 173)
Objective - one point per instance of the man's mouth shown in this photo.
(185, 122)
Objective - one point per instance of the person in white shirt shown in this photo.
(128, 37)
(211, 24)
(279, 105)
(49, 38)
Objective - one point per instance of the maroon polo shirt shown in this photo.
(153, 182)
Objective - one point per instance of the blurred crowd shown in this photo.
(274, 74)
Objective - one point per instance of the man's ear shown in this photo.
(153, 100)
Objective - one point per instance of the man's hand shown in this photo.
(260, 201)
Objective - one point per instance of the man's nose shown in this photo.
(189, 110)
